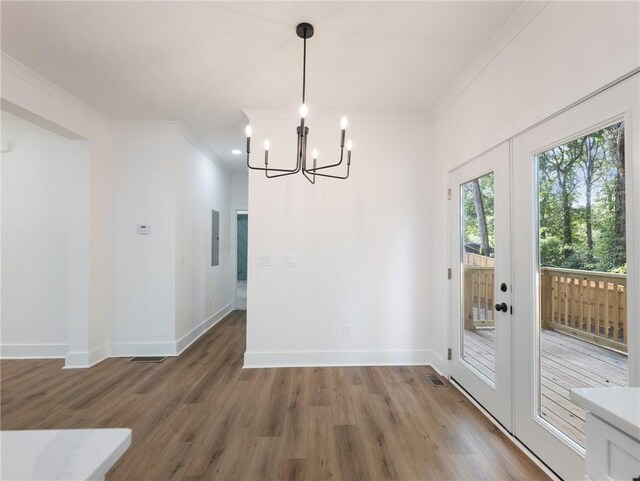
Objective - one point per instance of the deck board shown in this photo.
(567, 362)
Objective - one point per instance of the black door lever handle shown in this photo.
(502, 307)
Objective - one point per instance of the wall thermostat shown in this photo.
(144, 229)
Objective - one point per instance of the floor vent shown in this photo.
(148, 358)
(435, 380)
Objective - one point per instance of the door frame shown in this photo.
(632, 153)
(494, 395)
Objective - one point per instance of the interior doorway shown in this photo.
(242, 223)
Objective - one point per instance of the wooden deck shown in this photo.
(567, 362)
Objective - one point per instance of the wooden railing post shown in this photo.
(546, 298)
(468, 298)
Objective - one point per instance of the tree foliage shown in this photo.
(581, 200)
(581, 193)
(478, 206)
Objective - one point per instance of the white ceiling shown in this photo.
(201, 62)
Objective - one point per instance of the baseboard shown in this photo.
(194, 334)
(133, 349)
(440, 364)
(337, 358)
(83, 359)
(33, 351)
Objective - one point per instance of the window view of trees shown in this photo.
(582, 202)
(478, 203)
(582, 205)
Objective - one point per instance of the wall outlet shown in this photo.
(143, 229)
(264, 260)
(289, 261)
(346, 330)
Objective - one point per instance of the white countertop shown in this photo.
(618, 406)
(61, 454)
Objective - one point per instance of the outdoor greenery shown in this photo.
(581, 188)
(478, 205)
(582, 202)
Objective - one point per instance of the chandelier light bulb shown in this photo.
(305, 164)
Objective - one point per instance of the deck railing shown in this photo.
(478, 291)
(588, 305)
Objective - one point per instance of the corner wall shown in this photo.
(204, 294)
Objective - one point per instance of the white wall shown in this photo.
(166, 293)
(240, 190)
(143, 266)
(359, 246)
(44, 195)
(204, 293)
(567, 51)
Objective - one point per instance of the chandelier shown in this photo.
(304, 31)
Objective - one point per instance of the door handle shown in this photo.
(502, 307)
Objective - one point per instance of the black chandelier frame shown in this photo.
(304, 31)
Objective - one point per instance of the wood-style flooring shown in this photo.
(200, 416)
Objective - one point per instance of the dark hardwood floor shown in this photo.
(201, 416)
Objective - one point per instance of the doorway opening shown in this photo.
(242, 222)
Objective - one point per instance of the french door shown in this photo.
(575, 325)
(481, 274)
(545, 281)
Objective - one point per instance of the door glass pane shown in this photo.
(582, 321)
(477, 274)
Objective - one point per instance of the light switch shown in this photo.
(264, 260)
(144, 229)
(289, 261)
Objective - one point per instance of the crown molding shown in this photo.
(24, 73)
(33, 78)
(334, 115)
(525, 14)
(172, 126)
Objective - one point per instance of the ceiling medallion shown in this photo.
(304, 31)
